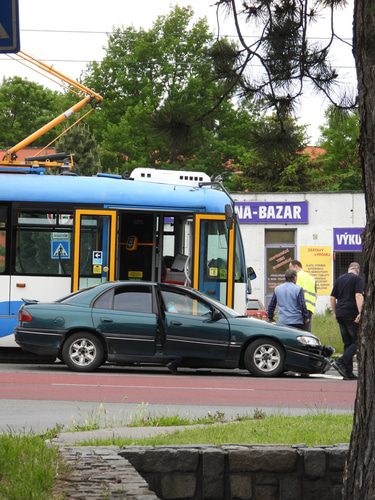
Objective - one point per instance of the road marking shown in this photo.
(155, 387)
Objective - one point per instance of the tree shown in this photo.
(359, 480)
(341, 169)
(24, 107)
(288, 58)
(162, 91)
(80, 142)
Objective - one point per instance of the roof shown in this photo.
(110, 192)
(28, 152)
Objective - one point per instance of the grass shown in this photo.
(142, 417)
(326, 328)
(28, 467)
(311, 430)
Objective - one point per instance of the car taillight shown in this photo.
(24, 316)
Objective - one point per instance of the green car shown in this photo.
(139, 322)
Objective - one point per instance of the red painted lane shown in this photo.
(185, 389)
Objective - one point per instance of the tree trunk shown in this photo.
(359, 476)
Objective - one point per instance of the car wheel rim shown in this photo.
(82, 352)
(267, 358)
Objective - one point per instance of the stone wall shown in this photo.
(241, 472)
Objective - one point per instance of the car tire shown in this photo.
(265, 358)
(83, 352)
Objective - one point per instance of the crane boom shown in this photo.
(89, 97)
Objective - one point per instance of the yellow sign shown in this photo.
(97, 269)
(317, 261)
(135, 274)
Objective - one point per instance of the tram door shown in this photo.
(213, 263)
(94, 248)
(137, 244)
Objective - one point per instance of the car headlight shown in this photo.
(308, 340)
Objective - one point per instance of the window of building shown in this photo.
(343, 259)
(280, 250)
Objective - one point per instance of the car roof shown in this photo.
(85, 296)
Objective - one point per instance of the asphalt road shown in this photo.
(36, 397)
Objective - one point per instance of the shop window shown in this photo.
(280, 250)
(343, 259)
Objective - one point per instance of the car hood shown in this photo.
(260, 327)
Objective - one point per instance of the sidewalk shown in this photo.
(72, 438)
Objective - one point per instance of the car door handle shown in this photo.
(106, 320)
(176, 323)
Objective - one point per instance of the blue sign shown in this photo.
(9, 26)
(347, 239)
(60, 249)
(97, 258)
(272, 212)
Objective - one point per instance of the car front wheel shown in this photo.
(83, 352)
(264, 358)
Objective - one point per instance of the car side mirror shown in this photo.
(216, 315)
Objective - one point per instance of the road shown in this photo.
(40, 396)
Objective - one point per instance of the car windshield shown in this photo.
(253, 304)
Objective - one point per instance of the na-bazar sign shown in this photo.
(272, 212)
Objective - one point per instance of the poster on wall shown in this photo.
(277, 263)
(317, 261)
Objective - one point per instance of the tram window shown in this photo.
(217, 250)
(43, 252)
(3, 219)
(45, 219)
(239, 260)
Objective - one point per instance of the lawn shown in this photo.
(311, 430)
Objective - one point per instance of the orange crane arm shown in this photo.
(90, 97)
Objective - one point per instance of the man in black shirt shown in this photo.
(346, 303)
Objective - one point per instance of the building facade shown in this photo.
(322, 230)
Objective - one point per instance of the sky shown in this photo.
(68, 34)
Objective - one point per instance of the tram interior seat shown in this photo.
(175, 272)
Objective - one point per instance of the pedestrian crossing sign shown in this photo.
(60, 249)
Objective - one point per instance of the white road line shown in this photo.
(155, 387)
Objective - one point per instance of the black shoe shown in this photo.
(172, 368)
(341, 369)
(351, 376)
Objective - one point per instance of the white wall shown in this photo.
(325, 212)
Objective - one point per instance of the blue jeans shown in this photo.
(349, 332)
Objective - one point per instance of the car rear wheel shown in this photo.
(264, 358)
(83, 352)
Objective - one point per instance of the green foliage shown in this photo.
(28, 467)
(272, 162)
(25, 107)
(161, 90)
(80, 142)
(341, 170)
